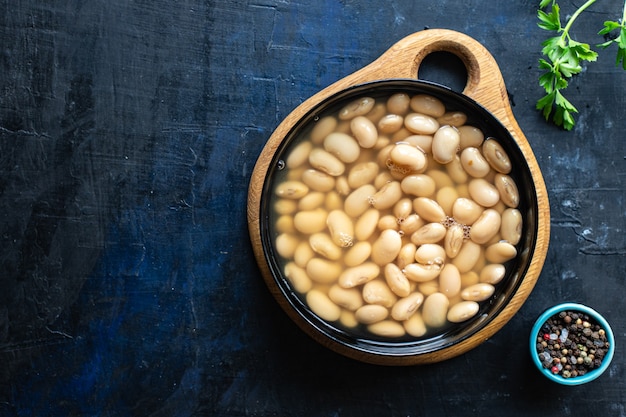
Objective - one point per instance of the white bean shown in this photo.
(390, 123)
(286, 244)
(435, 310)
(453, 118)
(310, 221)
(478, 292)
(364, 131)
(474, 163)
(362, 173)
(343, 146)
(323, 245)
(387, 328)
(430, 253)
(378, 292)
(428, 105)
(292, 190)
(321, 305)
(446, 142)
(470, 136)
(348, 298)
(408, 156)
(323, 271)
(486, 227)
(366, 224)
(396, 280)
(318, 180)
(387, 196)
(371, 313)
(341, 228)
(311, 201)
(415, 325)
(358, 201)
(358, 107)
(420, 124)
(429, 233)
(422, 273)
(466, 211)
(500, 252)
(511, 226)
(468, 256)
(429, 209)
(326, 162)
(297, 277)
(450, 281)
(323, 127)
(453, 240)
(358, 254)
(483, 192)
(507, 188)
(406, 255)
(298, 155)
(462, 311)
(386, 247)
(492, 274)
(398, 103)
(496, 156)
(419, 185)
(407, 306)
(358, 275)
(411, 224)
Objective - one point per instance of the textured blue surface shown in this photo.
(128, 134)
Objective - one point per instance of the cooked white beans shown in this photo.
(396, 216)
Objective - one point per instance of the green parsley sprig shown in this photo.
(564, 57)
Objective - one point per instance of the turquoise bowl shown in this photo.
(598, 318)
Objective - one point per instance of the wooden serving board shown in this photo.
(485, 85)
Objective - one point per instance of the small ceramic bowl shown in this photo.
(594, 316)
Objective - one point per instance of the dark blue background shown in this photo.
(128, 134)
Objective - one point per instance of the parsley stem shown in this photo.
(577, 13)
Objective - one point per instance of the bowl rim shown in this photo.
(589, 376)
(486, 325)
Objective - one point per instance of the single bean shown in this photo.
(450, 281)
(386, 248)
(511, 227)
(402, 209)
(358, 275)
(446, 142)
(422, 273)
(483, 192)
(348, 319)
(492, 274)
(343, 146)
(311, 221)
(507, 188)
(420, 124)
(285, 206)
(378, 111)
(387, 328)
(468, 256)
(299, 155)
(321, 305)
(357, 254)
(371, 313)
(462, 311)
(446, 197)
(323, 271)
(341, 228)
(408, 156)
(388, 221)
(428, 287)
(378, 292)
(318, 180)
(466, 211)
(358, 107)
(387, 196)
(407, 306)
(286, 244)
(311, 201)
(326, 162)
(406, 255)
(364, 131)
(435, 310)
(303, 254)
(419, 185)
(452, 118)
(366, 224)
(469, 278)
(291, 189)
(430, 253)
(470, 136)
(411, 224)
(323, 127)
(478, 292)
(397, 282)
(500, 252)
(415, 326)
(455, 170)
(454, 240)
(362, 173)
(358, 201)
(474, 163)
(341, 186)
(323, 245)
(390, 123)
(348, 298)
(428, 105)
(486, 226)
(284, 224)
(429, 233)
(429, 209)
(297, 277)
(441, 178)
(333, 201)
(496, 156)
(398, 103)
(424, 142)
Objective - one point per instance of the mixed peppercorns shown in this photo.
(571, 344)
